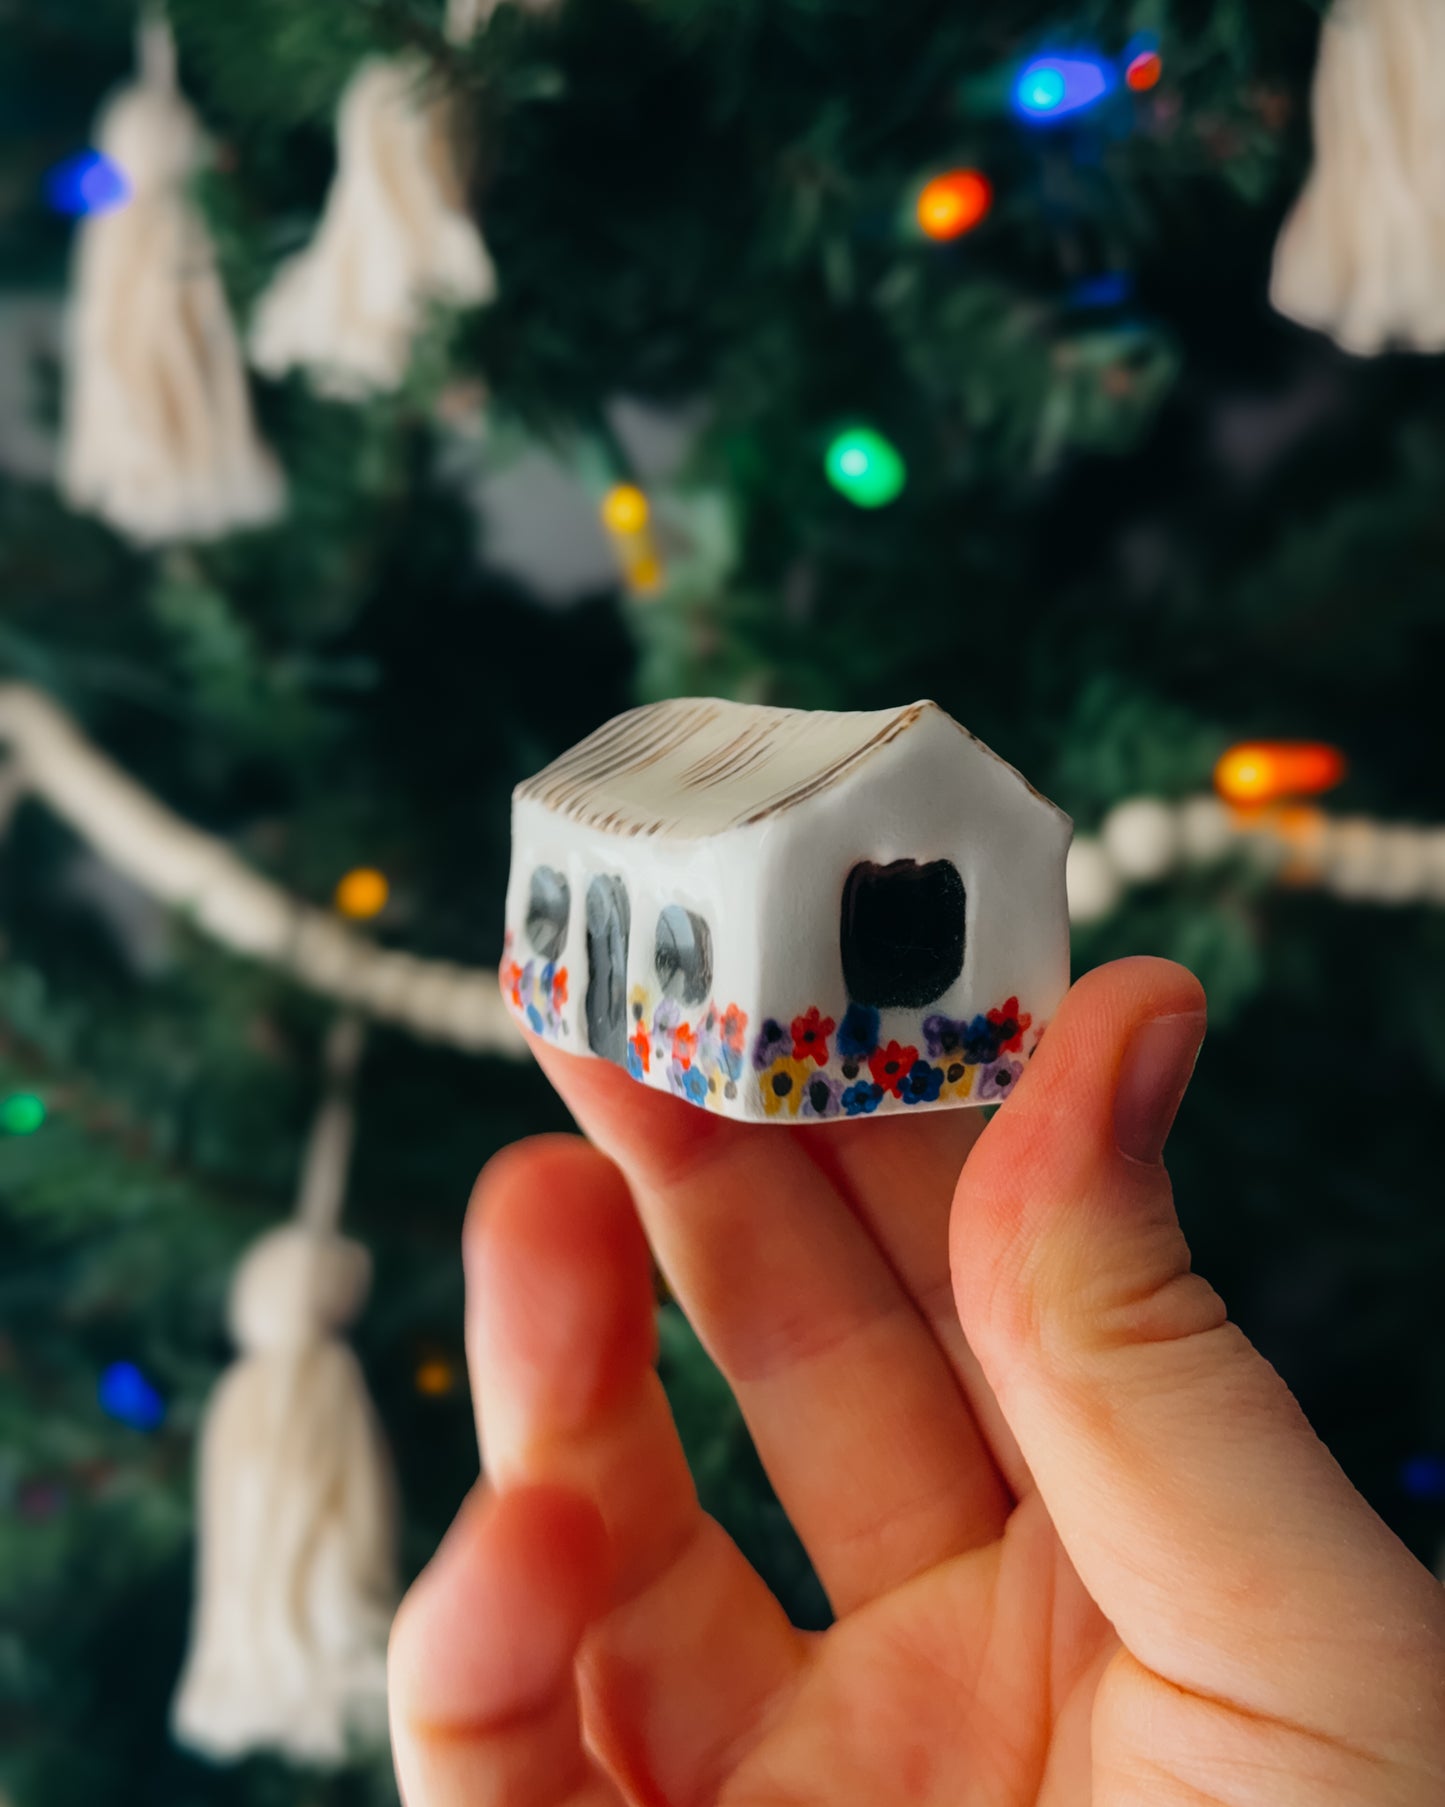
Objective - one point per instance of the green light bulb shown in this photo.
(21, 1114)
(865, 468)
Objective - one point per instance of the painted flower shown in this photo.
(559, 988)
(734, 1027)
(862, 1099)
(512, 981)
(923, 1084)
(640, 1051)
(782, 1086)
(858, 1032)
(732, 1062)
(534, 1019)
(998, 1080)
(810, 1034)
(958, 1079)
(943, 1036)
(688, 1082)
(637, 997)
(773, 1043)
(1010, 1026)
(684, 1045)
(980, 1042)
(822, 1096)
(889, 1066)
(666, 1017)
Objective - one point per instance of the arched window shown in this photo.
(902, 933)
(683, 956)
(609, 921)
(549, 904)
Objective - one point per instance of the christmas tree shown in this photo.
(829, 353)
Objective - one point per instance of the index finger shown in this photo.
(856, 1412)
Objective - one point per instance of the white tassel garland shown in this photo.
(394, 238)
(1362, 257)
(296, 1570)
(158, 437)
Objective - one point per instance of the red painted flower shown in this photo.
(642, 1048)
(512, 982)
(810, 1036)
(890, 1066)
(559, 987)
(1012, 1025)
(684, 1045)
(734, 1027)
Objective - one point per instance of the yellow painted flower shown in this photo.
(637, 998)
(782, 1086)
(958, 1080)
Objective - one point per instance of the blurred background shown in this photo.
(828, 353)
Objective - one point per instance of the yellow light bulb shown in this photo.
(435, 1377)
(362, 894)
(624, 509)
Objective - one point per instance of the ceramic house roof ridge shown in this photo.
(733, 764)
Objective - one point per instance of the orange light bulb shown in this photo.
(435, 1377)
(362, 894)
(953, 204)
(1265, 771)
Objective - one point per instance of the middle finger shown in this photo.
(853, 1406)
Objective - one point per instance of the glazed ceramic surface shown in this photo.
(789, 916)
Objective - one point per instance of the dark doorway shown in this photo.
(902, 933)
(609, 924)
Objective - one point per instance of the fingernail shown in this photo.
(1153, 1078)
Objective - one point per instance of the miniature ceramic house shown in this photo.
(780, 915)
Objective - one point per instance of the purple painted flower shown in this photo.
(943, 1036)
(666, 1017)
(822, 1096)
(774, 1042)
(998, 1080)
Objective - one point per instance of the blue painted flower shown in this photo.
(774, 1042)
(857, 1034)
(732, 1062)
(634, 1061)
(922, 1084)
(981, 1042)
(534, 1017)
(998, 1080)
(862, 1099)
(546, 976)
(822, 1096)
(694, 1085)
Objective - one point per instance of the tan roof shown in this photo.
(695, 766)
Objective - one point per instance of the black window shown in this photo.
(902, 933)
(609, 919)
(683, 958)
(548, 906)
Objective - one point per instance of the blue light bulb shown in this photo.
(1052, 87)
(125, 1394)
(88, 182)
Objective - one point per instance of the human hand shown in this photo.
(1083, 1548)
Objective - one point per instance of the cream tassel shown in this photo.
(394, 237)
(158, 437)
(1362, 257)
(297, 1515)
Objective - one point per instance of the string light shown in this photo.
(362, 894)
(864, 467)
(1053, 87)
(88, 182)
(626, 514)
(435, 1377)
(1265, 771)
(954, 203)
(127, 1396)
(1143, 70)
(21, 1114)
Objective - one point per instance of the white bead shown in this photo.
(1432, 851)
(1206, 830)
(1094, 887)
(1351, 859)
(1400, 875)
(1142, 838)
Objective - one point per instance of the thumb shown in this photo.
(1201, 1512)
